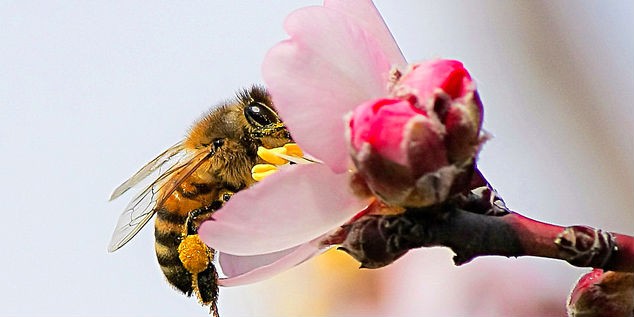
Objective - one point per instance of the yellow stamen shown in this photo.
(270, 156)
(292, 149)
(260, 171)
(276, 157)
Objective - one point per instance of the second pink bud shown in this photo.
(410, 146)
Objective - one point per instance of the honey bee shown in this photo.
(194, 178)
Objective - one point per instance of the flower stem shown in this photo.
(471, 231)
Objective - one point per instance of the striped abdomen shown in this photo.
(169, 230)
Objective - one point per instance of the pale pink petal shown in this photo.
(328, 66)
(297, 204)
(367, 16)
(240, 270)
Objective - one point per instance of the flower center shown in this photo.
(289, 153)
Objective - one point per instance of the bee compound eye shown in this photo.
(260, 115)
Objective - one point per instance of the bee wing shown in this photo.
(144, 205)
(147, 169)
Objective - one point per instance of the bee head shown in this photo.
(233, 131)
(258, 108)
(264, 126)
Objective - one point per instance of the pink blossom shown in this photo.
(338, 56)
(410, 146)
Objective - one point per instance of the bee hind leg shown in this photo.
(208, 288)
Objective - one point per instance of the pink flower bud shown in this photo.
(448, 76)
(411, 146)
(602, 294)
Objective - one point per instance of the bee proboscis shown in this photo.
(194, 178)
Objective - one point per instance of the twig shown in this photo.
(478, 224)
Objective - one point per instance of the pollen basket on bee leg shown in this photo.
(194, 254)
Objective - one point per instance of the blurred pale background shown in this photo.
(89, 91)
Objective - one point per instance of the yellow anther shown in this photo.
(292, 149)
(260, 171)
(193, 253)
(263, 168)
(273, 156)
(270, 156)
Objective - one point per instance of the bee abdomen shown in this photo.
(179, 277)
(168, 232)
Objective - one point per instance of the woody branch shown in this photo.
(477, 223)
